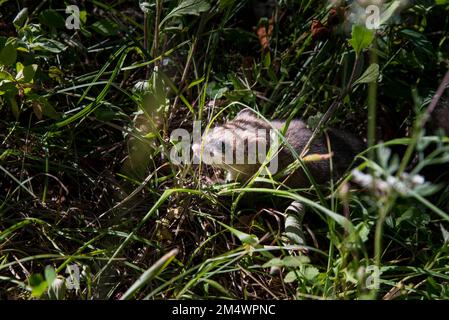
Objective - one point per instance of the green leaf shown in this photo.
(25, 74)
(83, 16)
(289, 261)
(20, 18)
(28, 72)
(363, 229)
(19, 67)
(267, 60)
(196, 82)
(370, 75)
(104, 113)
(292, 261)
(310, 273)
(49, 111)
(8, 87)
(225, 4)
(4, 75)
(55, 73)
(49, 45)
(38, 285)
(8, 55)
(291, 277)
(187, 7)
(50, 274)
(51, 18)
(419, 41)
(361, 38)
(275, 262)
(105, 27)
(406, 216)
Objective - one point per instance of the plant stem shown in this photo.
(154, 51)
(145, 40)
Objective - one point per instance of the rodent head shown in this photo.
(235, 145)
(213, 145)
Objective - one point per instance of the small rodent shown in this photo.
(242, 131)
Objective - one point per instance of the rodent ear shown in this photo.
(245, 113)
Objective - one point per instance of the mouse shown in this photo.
(247, 135)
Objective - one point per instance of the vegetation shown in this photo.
(87, 187)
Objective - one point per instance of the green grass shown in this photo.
(86, 182)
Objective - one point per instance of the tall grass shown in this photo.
(87, 185)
